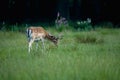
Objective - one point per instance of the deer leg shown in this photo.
(43, 43)
(36, 45)
(30, 45)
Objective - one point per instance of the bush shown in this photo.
(83, 25)
(106, 25)
(15, 27)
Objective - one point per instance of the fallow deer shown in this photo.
(35, 34)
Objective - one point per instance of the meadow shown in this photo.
(80, 55)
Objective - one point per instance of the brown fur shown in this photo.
(39, 33)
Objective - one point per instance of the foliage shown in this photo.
(83, 25)
(105, 25)
(15, 27)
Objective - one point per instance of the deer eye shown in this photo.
(52, 36)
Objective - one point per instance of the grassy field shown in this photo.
(81, 55)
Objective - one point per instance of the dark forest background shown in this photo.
(27, 11)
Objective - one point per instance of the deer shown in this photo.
(35, 34)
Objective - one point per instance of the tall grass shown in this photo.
(86, 55)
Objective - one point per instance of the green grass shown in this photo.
(86, 55)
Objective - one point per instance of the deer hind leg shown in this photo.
(43, 45)
(30, 45)
(36, 45)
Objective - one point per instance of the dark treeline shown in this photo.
(20, 11)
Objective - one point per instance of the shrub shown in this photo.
(106, 25)
(83, 25)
